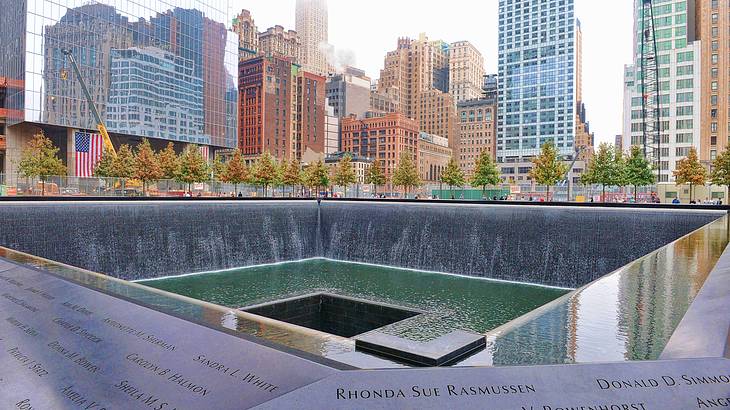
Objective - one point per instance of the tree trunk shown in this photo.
(548, 194)
(636, 194)
(603, 193)
(691, 192)
(43, 187)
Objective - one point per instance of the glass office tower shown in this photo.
(539, 79)
(165, 70)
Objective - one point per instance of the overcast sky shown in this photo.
(363, 31)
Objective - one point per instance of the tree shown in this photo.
(123, 165)
(236, 171)
(317, 176)
(192, 167)
(406, 174)
(146, 165)
(375, 176)
(169, 163)
(292, 174)
(721, 170)
(39, 159)
(690, 172)
(105, 166)
(264, 171)
(453, 176)
(638, 170)
(485, 172)
(345, 173)
(548, 170)
(603, 169)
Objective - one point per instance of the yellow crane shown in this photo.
(108, 146)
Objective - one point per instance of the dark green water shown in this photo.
(452, 302)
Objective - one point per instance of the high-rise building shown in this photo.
(383, 137)
(385, 101)
(266, 116)
(248, 35)
(331, 131)
(276, 41)
(680, 68)
(713, 31)
(416, 66)
(282, 110)
(538, 59)
(434, 155)
(437, 115)
(466, 71)
(118, 47)
(349, 92)
(312, 25)
(310, 127)
(477, 132)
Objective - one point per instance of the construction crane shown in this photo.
(108, 146)
(650, 101)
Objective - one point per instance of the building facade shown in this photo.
(361, 165)
(248, 35)
(383, 137)
(276, 41)
(437, 115)
(349, 92)
(331, 131)
(477, 132)
(466, 71)
(266, 114)
(282, 110)
(312, 25)
(310, 112)
(680, 85)
(434, 155)
(713, 32)
(416, 66)
(385, 101)
(100, 35)
(538, 79)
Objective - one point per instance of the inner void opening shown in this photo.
(333, 314)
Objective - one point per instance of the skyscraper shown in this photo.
(417, 72)
(537, 71)
(679, 61)
(713, 30)
(312, 26)
(466, 71)
(248, 35)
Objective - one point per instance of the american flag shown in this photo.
(205, 152)
(89, 148)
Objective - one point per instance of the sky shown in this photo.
(363, 31)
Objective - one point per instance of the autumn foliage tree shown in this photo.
(690, 172)
(374, 176)
(345, 173)
(485, 172)
(721, 170)
(292, 174)
(40, 160)
(146, 165)
(453, 176)
(547, 168)
(237, 171)
(192, 167)
(264, 172)
(406, 174)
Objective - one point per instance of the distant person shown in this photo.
(676, 201)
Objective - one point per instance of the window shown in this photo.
(685, 110)
(685, 124)
(685, 70)
(685, 83)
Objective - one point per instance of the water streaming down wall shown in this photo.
(553, 246)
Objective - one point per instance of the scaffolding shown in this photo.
(651, 101)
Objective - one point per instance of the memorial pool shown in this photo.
(450, 302)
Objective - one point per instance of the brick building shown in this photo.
(384, 138)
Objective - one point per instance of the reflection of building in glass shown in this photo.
(90, 32)
(155, 94)
(192, 38)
